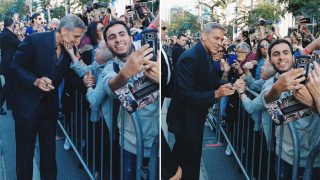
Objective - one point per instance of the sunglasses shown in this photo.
(264, 46)
(101, 29)
(220, 52)
(164, 28)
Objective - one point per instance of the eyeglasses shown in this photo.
(264, 46)
(101, 29)
(241, 53)
(220, 52)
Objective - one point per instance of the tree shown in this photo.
(182, 22)
(306, 8)
(263, 10)
(214, 4)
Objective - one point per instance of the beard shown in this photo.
(124, 55)
(278, 70)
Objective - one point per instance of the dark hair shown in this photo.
(92, 32)
(279, 41)
(258, 52)
(181, 34)
(113, 23)
(34, 16)
(7, 22)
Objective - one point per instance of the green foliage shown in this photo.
(58, 12)
(306, 8)
(264, 10)
(182, 22)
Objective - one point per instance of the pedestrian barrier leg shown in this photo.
(296, 148)
(154, 160)
(315, 151)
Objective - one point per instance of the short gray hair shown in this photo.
(244, 47)
(211, 26)
(70, 22)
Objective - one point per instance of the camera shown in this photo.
(150, 37)
(303, 62)
(265, 22)
(97, 5)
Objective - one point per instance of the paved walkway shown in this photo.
(67, 163)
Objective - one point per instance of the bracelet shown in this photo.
(307, 51)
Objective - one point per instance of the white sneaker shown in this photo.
(228, 150)
(66, 145)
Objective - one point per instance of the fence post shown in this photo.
(154, 160)
(310, 160)
(296, 146)
(140, 145)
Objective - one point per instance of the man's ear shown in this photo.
(204, 36)
(64, 31)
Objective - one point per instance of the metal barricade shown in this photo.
(90, 143)
(249, 147)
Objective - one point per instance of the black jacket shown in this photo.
(9, 44)
(194, 84)
(36, 58)
(177, 50)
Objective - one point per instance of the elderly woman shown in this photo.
(242, 51)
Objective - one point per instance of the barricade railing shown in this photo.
(249, 147)
(91, 143)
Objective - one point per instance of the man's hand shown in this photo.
(89, 80)
(239, 86)
(224, 90)
(135, 61)
(303, 95)
(152, 70)
(44, 84)
(313, 83)
(290, 80)
(178, 174)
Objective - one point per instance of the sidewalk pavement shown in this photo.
(67, 162)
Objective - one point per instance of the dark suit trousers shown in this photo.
(26, 131)
(188, 151)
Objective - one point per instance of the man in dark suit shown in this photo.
(196, 87)
(9, 44)
(178, 48)
(39, 65)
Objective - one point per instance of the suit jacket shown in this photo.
(194, 84)
(9, 44)
(166, 76)
(36, 58)
(177, 50)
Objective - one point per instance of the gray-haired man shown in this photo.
(39, 65)
(197, 85)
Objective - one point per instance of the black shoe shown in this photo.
(2, 111)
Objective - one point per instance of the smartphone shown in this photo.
(232, 58)
(139, 10)
(303, 62)
(305, 20)
(150, 36)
